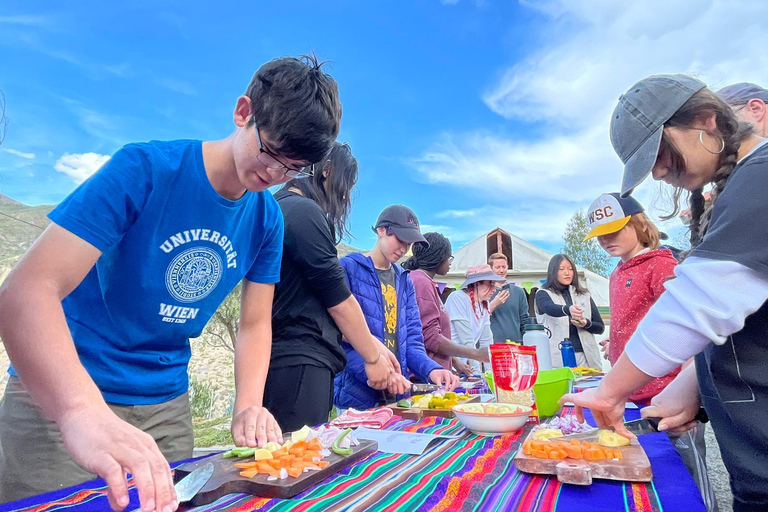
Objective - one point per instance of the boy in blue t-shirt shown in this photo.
(138, 258)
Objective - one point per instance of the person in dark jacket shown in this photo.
(508, 306)
(313, 305)
(386, 294)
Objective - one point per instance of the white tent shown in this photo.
(528, 264)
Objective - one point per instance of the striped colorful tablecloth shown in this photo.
(472, 473)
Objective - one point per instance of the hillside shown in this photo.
(20, 225)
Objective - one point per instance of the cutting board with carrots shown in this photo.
(633, 464)
(226, 478)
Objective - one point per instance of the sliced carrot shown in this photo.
(275, 473)
(617, 454)
(315, 445)
(295, 472)
(246, 465)
(299, 452)
(274, 463)
(279, 453)
(540, 454)
(287, 460)
(527, 447)
(575, 442)
(323, 464)
(263, 467)
(537, 445)
(300, 445)
(312, 453)
(573, 452)
(249, 473)
(589, 453)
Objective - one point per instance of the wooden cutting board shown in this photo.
(414, 413)
(226, 477)
(633, 467)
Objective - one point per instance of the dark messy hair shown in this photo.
(429, 257)
(298, 104)
(700, 106)
(333, 193)
(552, 284)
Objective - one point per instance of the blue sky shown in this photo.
(476, 113)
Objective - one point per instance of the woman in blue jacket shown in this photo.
(387, 297)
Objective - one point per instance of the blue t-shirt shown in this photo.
(173, 248)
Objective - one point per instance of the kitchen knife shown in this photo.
(420, 389)
(651, 424)
(187, 487)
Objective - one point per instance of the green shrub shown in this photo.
(200, 398)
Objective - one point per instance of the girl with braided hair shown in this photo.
(469, 312)
(425, 263)
(675, 128)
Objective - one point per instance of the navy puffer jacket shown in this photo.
(350, 386)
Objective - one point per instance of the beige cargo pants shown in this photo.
(32, 455)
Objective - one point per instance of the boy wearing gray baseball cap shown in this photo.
(388, 299)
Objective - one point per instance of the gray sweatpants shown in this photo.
(32, 455)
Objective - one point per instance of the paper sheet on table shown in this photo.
(391, 441)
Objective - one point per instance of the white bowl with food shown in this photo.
(492, 419)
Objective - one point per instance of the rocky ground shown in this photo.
(717, 473)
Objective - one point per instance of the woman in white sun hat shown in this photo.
(468, 309)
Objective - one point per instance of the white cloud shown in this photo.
(24, 20)
(603, 47)
(28, 156)
(501, 168)
(594, 51)
(79, 166)
(179, 86)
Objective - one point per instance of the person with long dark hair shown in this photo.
(566, 308)
(313, 305)
(424, 264)
(678, 130)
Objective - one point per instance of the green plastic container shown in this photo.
(489, 379)
(550, 387)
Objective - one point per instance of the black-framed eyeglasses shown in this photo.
(271, 161)
(450, 258)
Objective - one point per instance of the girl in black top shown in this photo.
(313, 305)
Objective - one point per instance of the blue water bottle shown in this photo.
(569, 356)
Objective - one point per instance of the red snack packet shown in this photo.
(515, 370)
